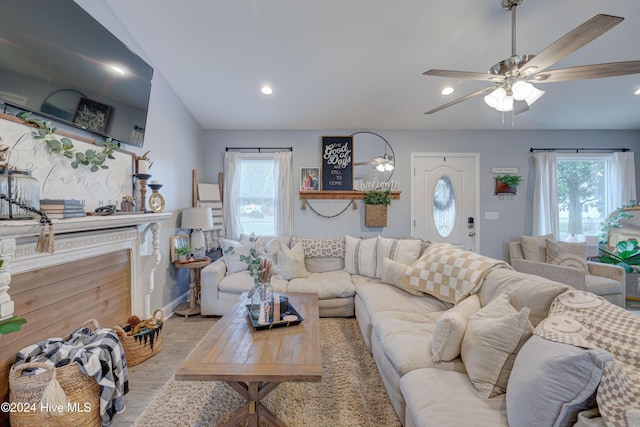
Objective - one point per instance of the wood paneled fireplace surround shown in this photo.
(102, 268)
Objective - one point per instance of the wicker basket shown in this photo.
(375, 215)
(82, 391)
(143, 345)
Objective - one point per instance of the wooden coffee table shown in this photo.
(254, 362)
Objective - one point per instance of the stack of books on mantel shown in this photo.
(62, 208)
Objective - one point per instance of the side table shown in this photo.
(192, 306)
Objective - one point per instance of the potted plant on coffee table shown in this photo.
(375, 208)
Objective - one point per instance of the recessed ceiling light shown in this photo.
(266, 90)
(447, 90)
(637, 92)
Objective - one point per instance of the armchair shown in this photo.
(605, 280)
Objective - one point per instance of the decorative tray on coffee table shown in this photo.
(286, 319)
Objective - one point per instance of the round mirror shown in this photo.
(373, 158)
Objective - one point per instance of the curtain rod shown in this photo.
(259, 149)
(531, 150)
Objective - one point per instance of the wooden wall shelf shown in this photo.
(340, 195)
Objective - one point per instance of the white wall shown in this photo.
(173, 136)
(496, 148)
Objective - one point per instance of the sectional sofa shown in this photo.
(446, 327)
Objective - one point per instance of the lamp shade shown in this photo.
(197, 218)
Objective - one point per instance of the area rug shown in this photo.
(350, 394)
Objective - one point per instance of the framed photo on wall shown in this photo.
(309, 179)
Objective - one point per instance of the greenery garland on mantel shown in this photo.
(93, 159)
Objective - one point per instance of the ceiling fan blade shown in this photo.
(593, 71)
(464, 98)
(465, 75)
(570, 42)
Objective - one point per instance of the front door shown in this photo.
(444, 198)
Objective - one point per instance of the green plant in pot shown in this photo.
(626, 255)
(182, 252)
(375, 208)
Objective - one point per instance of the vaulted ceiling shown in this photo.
(358, 64)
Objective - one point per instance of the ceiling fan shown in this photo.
(513, 78)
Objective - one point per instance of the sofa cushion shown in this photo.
(320, 265)
(378, 297)
(492, 340)
(232, 250)
(237, 283)
(552, 382)
(316, 247)
(406, 339)
(602, 285)
(360, 256)
(534, 248)
(568, 254)
(450, 329)
(291, 263)
(331, 284)
(525, 290)
(436, 398)
(392, 273)
(404, 251)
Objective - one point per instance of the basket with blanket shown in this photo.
(64, 381)
(141, 339)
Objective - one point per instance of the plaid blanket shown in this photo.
(589, 321)
(98, 354)
(449, 273)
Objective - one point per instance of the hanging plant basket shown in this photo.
(375, 215)
(502, 188)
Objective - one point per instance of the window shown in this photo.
(444, 207)
(255, 207)
(582, 193)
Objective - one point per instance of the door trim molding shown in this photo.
(476, 213)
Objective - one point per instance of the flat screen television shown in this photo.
(57, 61)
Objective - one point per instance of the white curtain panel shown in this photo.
(622, 179)
(545, 194)
(231, 193)
(283, 173)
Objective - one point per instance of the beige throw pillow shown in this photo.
(534, 248)
(405, 251)
(450, 328)
(491, 342)
(291, 262)
(392, 273)
(568, 254)
(360, 256)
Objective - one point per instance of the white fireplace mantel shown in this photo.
(78, 238)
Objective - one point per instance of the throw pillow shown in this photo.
(231, 251)
(551, 382)
(534, 248)
(392, 273)
(490, 345)
(405, 251)
(316, 247)
(360, 256)
(450, 328)
(291, 262)
(568, 254)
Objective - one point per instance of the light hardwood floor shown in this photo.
(179, 336)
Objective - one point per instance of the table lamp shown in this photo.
(197, 219)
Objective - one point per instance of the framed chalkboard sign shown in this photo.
(337, 163)
(92, 115)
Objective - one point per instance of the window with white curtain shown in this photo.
(255, 208)
(583, 187)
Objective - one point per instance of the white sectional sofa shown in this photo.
(406, 329)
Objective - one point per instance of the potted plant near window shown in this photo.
(375, 208)
(627, 255)
(507, 183)
(182, 252)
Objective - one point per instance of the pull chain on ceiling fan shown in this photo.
(513, 89)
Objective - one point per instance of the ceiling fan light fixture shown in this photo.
(534, 95)
(637, 92)
(522, 90)
(495, 98)
(506, 104)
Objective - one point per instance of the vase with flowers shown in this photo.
(261, 295)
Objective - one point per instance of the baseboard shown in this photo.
(170, 309)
